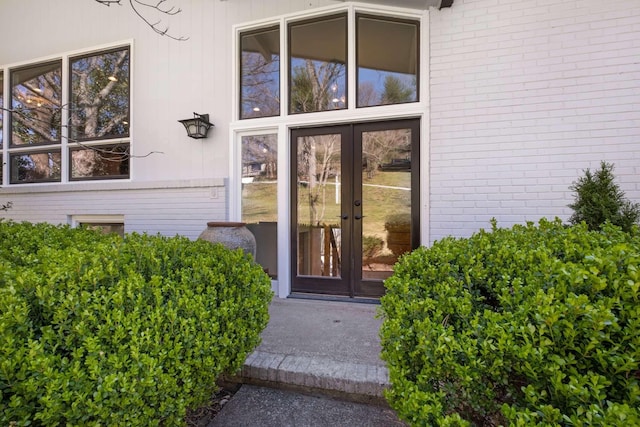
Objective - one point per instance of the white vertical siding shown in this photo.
(525, 95)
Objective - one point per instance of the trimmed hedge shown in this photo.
(100, 330)
(534, 325)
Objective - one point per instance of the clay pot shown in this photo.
(232, 235)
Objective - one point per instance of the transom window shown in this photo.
(318, 64)
(260, 71)
(387, 61)
(93, 127)
(386, 64)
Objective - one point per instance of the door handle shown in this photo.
(359, 216)
(344, 216)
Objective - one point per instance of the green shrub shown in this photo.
(371, 246)
(598, 199)
(534, 325)
(100, 330)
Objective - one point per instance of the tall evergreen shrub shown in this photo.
(599, 199)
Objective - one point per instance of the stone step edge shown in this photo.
(315, 375)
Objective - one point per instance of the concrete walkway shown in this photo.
(318, 364)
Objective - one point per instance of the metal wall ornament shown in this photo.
(198, 126)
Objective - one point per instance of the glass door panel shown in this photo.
(386, 200)
(319, 205)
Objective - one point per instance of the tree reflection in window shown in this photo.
(111, 161)
(317, 64)
(36, 101)
(100, 95)
(260, 73)
(1, 118)
(259, 178)
(1, 115)
(35, 167)
(387, 58)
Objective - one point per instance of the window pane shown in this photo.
(106, 161)
(35, 167)
(317, 68)
(259, 196)
(387, 56)
(260, 74)
(1, 111)
(100, 96)
(35, 100)
(105, 228)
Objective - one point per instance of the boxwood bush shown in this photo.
(100, 330)
(534, 325)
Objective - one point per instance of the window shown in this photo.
(105, 228)
(318, 65)
(260, 73)
(36, 94)
(99, 94)
(1, 116)
(318, 60)
(387, 59)
(35, 167)
(105, 161)
(259, 196)
(97, 134)
(104, 223)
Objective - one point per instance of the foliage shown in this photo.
(312, 84)
(396, 91)
(599, 199)
(534, 325)
(100, 330)
(398, 222)
(371, 246)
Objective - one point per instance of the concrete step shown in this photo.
(321, 348)
(357, 382)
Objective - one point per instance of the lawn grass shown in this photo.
(259, 202)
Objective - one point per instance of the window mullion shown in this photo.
(284, 69)
(351, 55)
(64, 131)
(5, 128)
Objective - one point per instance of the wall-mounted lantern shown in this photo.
(198, 126)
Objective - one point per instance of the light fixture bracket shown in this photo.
(198, 126)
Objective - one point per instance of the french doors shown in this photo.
(354, 205)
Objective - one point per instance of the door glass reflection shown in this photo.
(260, 196)
(386, 200)
(319, 205)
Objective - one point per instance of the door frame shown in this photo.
(351, 283)
(308, 284)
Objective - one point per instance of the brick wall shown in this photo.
(525, 95)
